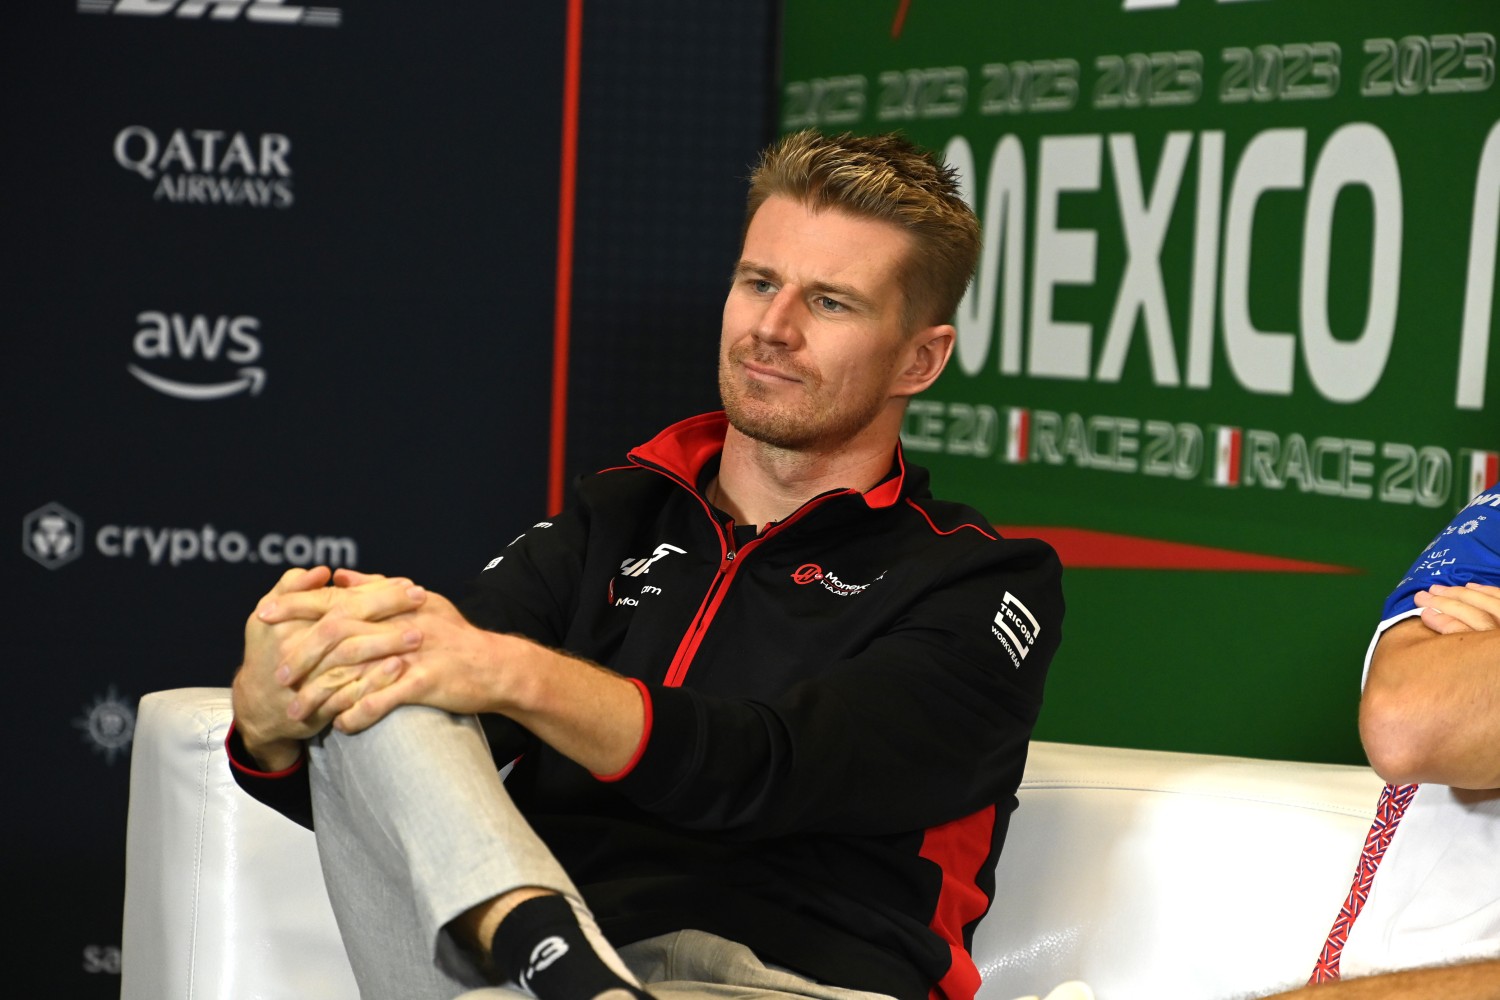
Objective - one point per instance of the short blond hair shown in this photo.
(884, 177)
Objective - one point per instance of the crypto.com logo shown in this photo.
(259, 11)
(52, 535)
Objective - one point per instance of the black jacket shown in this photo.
(838, 711)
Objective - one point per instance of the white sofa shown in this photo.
(1148, 875)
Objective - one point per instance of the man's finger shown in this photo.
(375, 677)
(1441, 623)
(342, 642)
(369, 602)
(307, 706)
(354, 578)
(297, 579)
(376, 705)
(1473, 606)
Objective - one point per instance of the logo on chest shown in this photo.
(809, 573)
(638, 567)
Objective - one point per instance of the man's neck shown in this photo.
(760, 484)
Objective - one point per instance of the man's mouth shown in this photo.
(763, 370)
(766, 372)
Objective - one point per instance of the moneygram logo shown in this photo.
(172, 339)
(255, 11)
(813, 573)
(209, 166)
(54, 536)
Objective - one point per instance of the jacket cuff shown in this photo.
(640, 748)
(242, 761)
(662, 763)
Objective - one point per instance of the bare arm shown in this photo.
(1431, 704)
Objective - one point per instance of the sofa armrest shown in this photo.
(223, 897)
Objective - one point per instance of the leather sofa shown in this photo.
(1148, 875)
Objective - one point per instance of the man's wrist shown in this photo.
(269, 755)
(279, 756)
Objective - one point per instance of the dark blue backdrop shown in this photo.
(279, 291)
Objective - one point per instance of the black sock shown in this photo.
(540, 945)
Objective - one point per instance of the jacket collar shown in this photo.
(684, 448)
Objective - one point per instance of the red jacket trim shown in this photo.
(640, 748)
(246, 769)
(960, 849)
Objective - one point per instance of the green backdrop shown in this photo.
(1228, 347)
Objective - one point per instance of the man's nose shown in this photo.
(781, 322)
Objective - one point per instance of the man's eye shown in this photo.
(761, 285)
(830, 305)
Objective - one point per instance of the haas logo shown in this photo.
(813, 573)
(640, 567)
(807, 573)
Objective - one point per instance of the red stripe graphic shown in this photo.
(900, 21)
(566, 203)
(1081, 548)
(959, 849)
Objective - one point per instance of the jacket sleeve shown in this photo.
(531, 587)
(929, 723)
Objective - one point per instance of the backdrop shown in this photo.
(280, 290)
(1229, 345)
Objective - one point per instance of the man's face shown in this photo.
(813, 337)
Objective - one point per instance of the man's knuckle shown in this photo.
(329, 631)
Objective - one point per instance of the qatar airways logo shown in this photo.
(205, 166)
(813, 573)
(254, 11)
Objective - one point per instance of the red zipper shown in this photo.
(728, 565)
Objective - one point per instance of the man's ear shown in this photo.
(927, 355)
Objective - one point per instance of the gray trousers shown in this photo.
(414, 828)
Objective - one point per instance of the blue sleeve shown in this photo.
(1467, 550)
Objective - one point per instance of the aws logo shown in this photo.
(182, 344)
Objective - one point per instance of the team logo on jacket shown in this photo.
(813, 573)
(640, 567)
(1016, 628)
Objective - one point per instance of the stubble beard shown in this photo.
(811, 423)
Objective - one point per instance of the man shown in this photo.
(770, 700)
(1427, 890)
